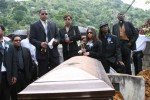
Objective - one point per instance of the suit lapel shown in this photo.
(41, 26)
(49, 32)
(117, 29)
(42, 29)
(1, 50)
(71, 28)
(126, 28)
(6, 48)
(24, 54)
(64, 31)
(71, 31)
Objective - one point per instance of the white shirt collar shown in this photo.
(43, 21)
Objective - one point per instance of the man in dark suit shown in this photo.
(24, 65)
(127, 35)
(44, 36)
(8, 69)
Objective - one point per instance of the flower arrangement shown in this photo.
(146, 28)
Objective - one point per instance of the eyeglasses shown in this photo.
(44, 13)
(67, 19)
(17, 40)
(89, 32)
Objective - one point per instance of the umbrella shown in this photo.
(82, 29)
(22, 33)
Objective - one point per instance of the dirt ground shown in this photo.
(118, 96)
(146, 74)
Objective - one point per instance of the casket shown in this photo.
(79, 78)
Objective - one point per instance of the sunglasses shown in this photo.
(44, 13)
(17, 40)
(90, 32)
(67, 19)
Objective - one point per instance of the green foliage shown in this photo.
(21, 8)
(3, 5)
(19, 15)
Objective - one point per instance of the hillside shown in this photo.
(19, 15)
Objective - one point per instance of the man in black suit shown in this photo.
(44, 36)
(127, 35)
(8, 69)
(24, 65)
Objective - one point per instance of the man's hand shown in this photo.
(129, 44)
(55, 42)
(120, 62)
(83, 50)
(67, 40)
(44, 45)
(86, 54)
(13, 80)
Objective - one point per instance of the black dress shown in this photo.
(70, 49)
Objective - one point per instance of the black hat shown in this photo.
(103, 24)
(121, 14)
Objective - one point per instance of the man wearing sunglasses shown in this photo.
(24, 66)
(44, 36)
(127, 35)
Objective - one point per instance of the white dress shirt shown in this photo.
(27, 44)
(141, 42)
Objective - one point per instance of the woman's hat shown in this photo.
(103, 24)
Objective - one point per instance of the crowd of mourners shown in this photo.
(23, 61)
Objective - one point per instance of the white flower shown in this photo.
(6, 47)
(109, 40)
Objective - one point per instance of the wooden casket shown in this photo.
(79, 78)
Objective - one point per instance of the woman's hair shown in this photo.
(13, 37)
(101, 35)
(67, 15)
(2, 27)
(94, 34)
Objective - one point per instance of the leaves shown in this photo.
(84, 12)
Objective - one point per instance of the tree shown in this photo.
(84, 12)
(21, 8)
(19, 15)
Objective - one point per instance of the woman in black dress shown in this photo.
(69, 35)
(93, 46)
(111, 52)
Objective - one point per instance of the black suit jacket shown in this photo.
(38, 35)
(27, 62)
(130, 30)
(9, 62)
(111, 49)
(96, 50)
(74, 36)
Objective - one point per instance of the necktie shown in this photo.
(20, 59)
